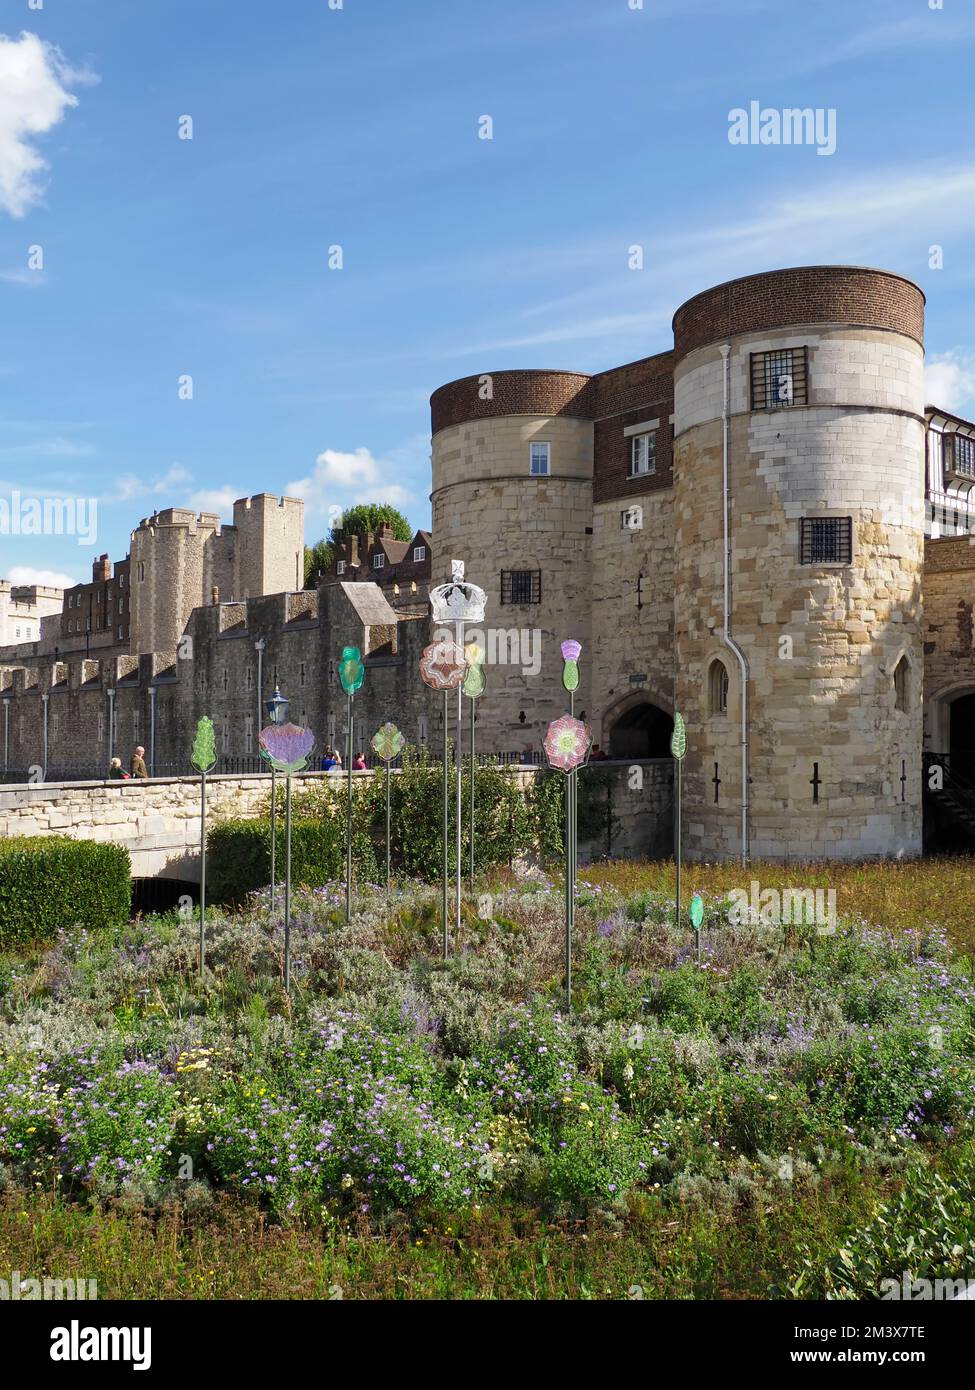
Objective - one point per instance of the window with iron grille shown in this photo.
(960, 454)
(521, 586)
(826, 540)
(779, 378)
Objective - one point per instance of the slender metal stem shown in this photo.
(348, 823)
(274, 836)
(570, 871)
(387, 837)
(458, 796)
(677, 846)
(473, 765)
(287, 884)
(446, 828)
(203, 867)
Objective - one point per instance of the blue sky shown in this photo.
(358, 127)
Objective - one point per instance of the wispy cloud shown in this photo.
(27, 279)
(130, 485)
(54, 447)
(932, 28)
(51, 579)
(342, 479)
(949, 380)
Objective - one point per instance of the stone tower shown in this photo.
(804, 388)
(512, 498)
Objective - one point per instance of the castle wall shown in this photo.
(491, 513)
(949, 633)
(821, 641)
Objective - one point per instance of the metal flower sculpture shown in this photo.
(678, 739)
(204, 755)
(287, 747)
(571, 652)
(567, 743)
(474, 679)
(388, 742)
(351, 670)
(443, 666)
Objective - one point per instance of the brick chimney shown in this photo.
(353, 544)
(101, 569)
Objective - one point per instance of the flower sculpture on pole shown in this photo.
(204, 759)
(474, 676)
(388, 743)
(443, 666)
(287, 747)
(351, 670)
(567, 743)
(571, 652)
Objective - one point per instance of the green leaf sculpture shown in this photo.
(204, 755)
(697, 911)
(678, 739)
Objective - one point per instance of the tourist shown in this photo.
(360, 763)
(139, 768)
(597, 755)
(338, 759)
(116, 771)
(328, 760)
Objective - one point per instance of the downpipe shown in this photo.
(729, 640)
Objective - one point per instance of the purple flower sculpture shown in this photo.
(287, 747)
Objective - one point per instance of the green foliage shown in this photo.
(926, 1232)
(239, 854)
(366, 516)
(51, 882)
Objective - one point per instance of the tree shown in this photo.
(366, 516)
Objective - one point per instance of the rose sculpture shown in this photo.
(567, 743)
(443, 666)
(287, 747)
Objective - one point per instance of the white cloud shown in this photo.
(52, 579)
(345, 479)
(130, 485)
(949, 380)
(34, 82)
(219, 500)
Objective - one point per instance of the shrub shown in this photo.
(51, 882)
(239, 855)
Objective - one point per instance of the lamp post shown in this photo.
(352, 673)
(287, 748)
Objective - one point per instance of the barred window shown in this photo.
(643, 458)
(960, 454)
(826, 540)
(779, 378)
(521, 586)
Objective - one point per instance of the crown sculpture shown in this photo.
(458, 601)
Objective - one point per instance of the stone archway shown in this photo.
(638, 728)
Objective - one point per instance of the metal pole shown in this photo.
(446, 828)
(387, 835)
(459, 759)
(677, 848)
(203, 865)
(473, 765)
(274, 835)
(287, 884)
(348, 825)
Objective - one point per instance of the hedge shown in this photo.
(507, 823)
(50, 882)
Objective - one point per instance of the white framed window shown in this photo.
(643, 454)
(378, 561)
(340, 567)
(539, 459)
(419, 553)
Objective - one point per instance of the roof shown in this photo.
(370, 603)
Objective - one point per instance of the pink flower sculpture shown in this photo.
(443, 666)
(567, 743)
(286, 746)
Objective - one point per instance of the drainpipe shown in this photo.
(6, 735)
(259, 646)
(111, 725)
(45, 697)
(729, 640)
